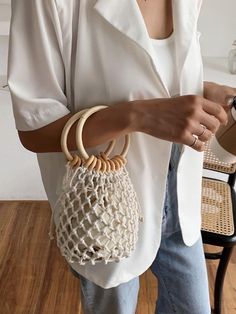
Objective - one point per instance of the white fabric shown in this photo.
(166, 63)
(68, 55)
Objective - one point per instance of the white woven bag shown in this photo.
(99, 212)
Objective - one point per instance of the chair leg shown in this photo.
(220, 275)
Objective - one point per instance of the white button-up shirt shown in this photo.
(69, 55)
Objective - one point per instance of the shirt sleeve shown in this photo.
(36, 75)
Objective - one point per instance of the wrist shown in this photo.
(137, 115)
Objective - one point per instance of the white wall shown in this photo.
(217, 23)
(19, 172)
(3, 53)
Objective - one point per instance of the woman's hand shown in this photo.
(218, 93)
(177, 119)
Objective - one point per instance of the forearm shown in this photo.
(172, 119)
(101, 127)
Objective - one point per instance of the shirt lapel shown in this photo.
(126, 17)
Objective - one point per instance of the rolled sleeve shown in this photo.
(36, 74)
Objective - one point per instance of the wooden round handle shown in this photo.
(79, 130)
(65, 133)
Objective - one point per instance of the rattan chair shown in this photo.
(219, 217)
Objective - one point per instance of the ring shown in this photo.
(194, 142)
(204, 130)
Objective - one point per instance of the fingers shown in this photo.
(215, 109)
(198, 144)
(212, 116)
(203, 136)
(207, 113)
(201, 133)
(211, 123)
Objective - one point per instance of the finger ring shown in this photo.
(204, 130)
(194, 142)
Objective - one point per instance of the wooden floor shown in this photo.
(34, 278)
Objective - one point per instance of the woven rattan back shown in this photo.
(217, 206)
(211, 162)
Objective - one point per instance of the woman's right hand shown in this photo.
(176, 119)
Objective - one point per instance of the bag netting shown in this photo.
(98, 215)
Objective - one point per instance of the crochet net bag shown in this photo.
(99, 212)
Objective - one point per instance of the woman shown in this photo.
(143, 60)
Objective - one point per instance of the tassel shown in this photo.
(51, 227)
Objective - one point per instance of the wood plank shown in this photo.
(35, 279)
(25, 259)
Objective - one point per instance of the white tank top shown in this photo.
(165, 61)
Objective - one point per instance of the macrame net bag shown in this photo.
(99, 213)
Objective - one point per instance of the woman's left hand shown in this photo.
(218, 93)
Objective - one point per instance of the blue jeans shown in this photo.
(180, 270)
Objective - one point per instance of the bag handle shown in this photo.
(79, 129)
(64, 136)
(99, 163)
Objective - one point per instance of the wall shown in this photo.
(217, 23)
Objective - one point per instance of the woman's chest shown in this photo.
(157, 16)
